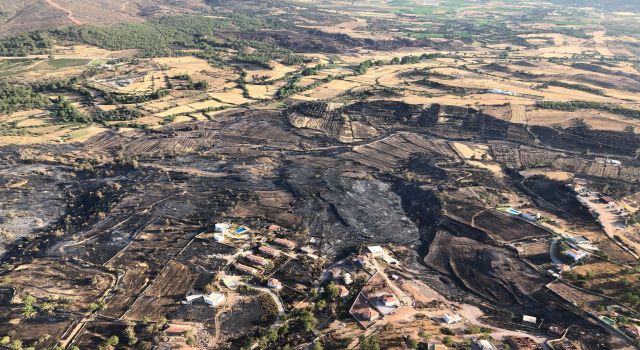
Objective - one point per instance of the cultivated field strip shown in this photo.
(517, 158)
(391, 152)
(160, 297)
(186, 142)
(518, 114)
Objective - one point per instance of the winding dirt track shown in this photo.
(69, 13)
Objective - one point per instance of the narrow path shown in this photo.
(69, 13)
(273, 295)
(552, 252)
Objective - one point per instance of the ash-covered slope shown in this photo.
(491, 272)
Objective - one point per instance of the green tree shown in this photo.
(29, 310)
(332, 290)
(65, 111)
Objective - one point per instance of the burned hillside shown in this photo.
(409, 181)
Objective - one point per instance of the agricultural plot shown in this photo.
(295, 275)
(506, 228)
(163, 294)
(206, 254)
(66, 283)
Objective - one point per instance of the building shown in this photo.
(451, 319)
(614, 162)
(556, 330)
(530, 320)
(218, 237)
(483, 344)
(191, 298)
(566, 344)
(607, 200)
(390, 301)
(274, 228)
(347, 279)
(245, 269)
(222, 227)
(580, 239)
(257, 260)
(366, 314)
(376, 250)
(344, 292)
(633, 330)
(285, 243)
(363, 261)
(389, 260)
(268, 251)
(576, 255)
(307, 250)
(434, 346)
(274, 283)
(214, 299)
(522, 343)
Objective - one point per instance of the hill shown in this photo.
(28, 15)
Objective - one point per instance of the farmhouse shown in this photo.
(483, 344)
(556, 330)
(268, 251)
(434, 346)
(633, 330)
(213, 299)
(451, 319)
(285, 243)
(191, 298)
(347, 279)
(222, 227)
(567, 345)
(274, 228)
(526, 319)
(344, 292)
(257, 260)
(522, 343)
(245, 269)
(274, 283)
(366, 314)
(390, 301)
(363, 261)
(607, 200)
(376, 250)
(575, 254)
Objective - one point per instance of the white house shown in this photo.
(390, 301)
(484, 344)
(451, 319)
(214, 299)
(576, 255)
(273, 283)
(347, 279)
(376, 250)
(222, 227)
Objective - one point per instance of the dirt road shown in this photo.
(69, 13)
